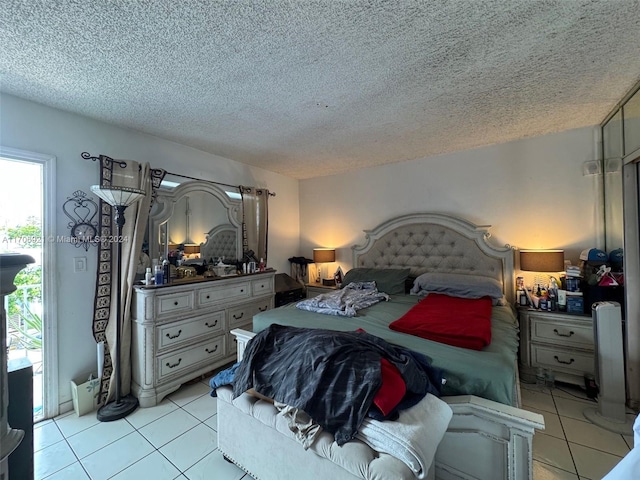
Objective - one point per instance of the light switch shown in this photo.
(79, 264)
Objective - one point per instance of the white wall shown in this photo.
(531, 191)
(29, 126)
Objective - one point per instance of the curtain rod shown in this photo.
(238, 187)
(88, 156)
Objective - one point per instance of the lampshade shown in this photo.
(191, 248)
(118, 196)
(324, 255)
(542, 260)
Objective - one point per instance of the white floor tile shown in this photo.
(72, 472)
(592, 464)
(191, 447)
(152, 466)
(542, 471)
(117, 456)
(165, 429)
(572, 408)
(98, 436)
(144, 416)
(70, 424)
(629, 440)
(203, 408)
(189, 393)
(590, 435)
(552, 425)
(53, 458)
(213, 423)
(540, 400)
(572, 392)
(552, 451)
(214, 462)
(45, 435)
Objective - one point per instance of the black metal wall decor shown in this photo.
(82, 212)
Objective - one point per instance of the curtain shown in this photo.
(126, 174)
(255, 221)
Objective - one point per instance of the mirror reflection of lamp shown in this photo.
(320, 256)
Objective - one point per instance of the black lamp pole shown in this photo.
(119, 198)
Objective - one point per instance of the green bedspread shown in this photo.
(489, 373)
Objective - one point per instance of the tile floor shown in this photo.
(570, 447)
(177, 440)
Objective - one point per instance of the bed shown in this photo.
(489, 437)
(221, 243)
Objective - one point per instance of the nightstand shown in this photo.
(556, 341)
(314, 289)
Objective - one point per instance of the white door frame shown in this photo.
(50, 405)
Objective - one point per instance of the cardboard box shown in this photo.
(85, 394)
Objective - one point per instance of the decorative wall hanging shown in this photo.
(82, 212)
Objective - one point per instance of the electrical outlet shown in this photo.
(79, 264)
(593, 167)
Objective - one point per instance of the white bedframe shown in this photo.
(485, 440)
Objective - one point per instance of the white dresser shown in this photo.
(560, 342)
(181, 331)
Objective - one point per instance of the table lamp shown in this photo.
(320, 256)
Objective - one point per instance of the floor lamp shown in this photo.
(119, 198)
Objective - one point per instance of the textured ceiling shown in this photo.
(311, 88)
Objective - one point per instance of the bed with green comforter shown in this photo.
(489, 373)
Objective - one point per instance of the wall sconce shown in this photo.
(322, 255)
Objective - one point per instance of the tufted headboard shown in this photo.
(222, 241)
(435, 242)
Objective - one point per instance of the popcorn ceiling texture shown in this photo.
(312, 88)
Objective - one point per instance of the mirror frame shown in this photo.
(164, 206)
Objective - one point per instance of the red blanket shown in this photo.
(461, 322)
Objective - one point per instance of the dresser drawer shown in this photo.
(174, 303)
(559, 333)
(262, 286)
(226, 293)
(243, 314)
(177, 332)
(177, 362)
(563, 360)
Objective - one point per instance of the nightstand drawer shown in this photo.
(560, 333)
(561, 360)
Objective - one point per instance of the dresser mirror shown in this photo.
(199, 218)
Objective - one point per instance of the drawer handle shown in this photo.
(263, 309)
(238, 318)
(242, 290)
(174, 336)
(175, 303)
(555, 330)
(211, 351)
(211, 326)
(261, 286)
(562, 361)
(208, 297)
(175, 364)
